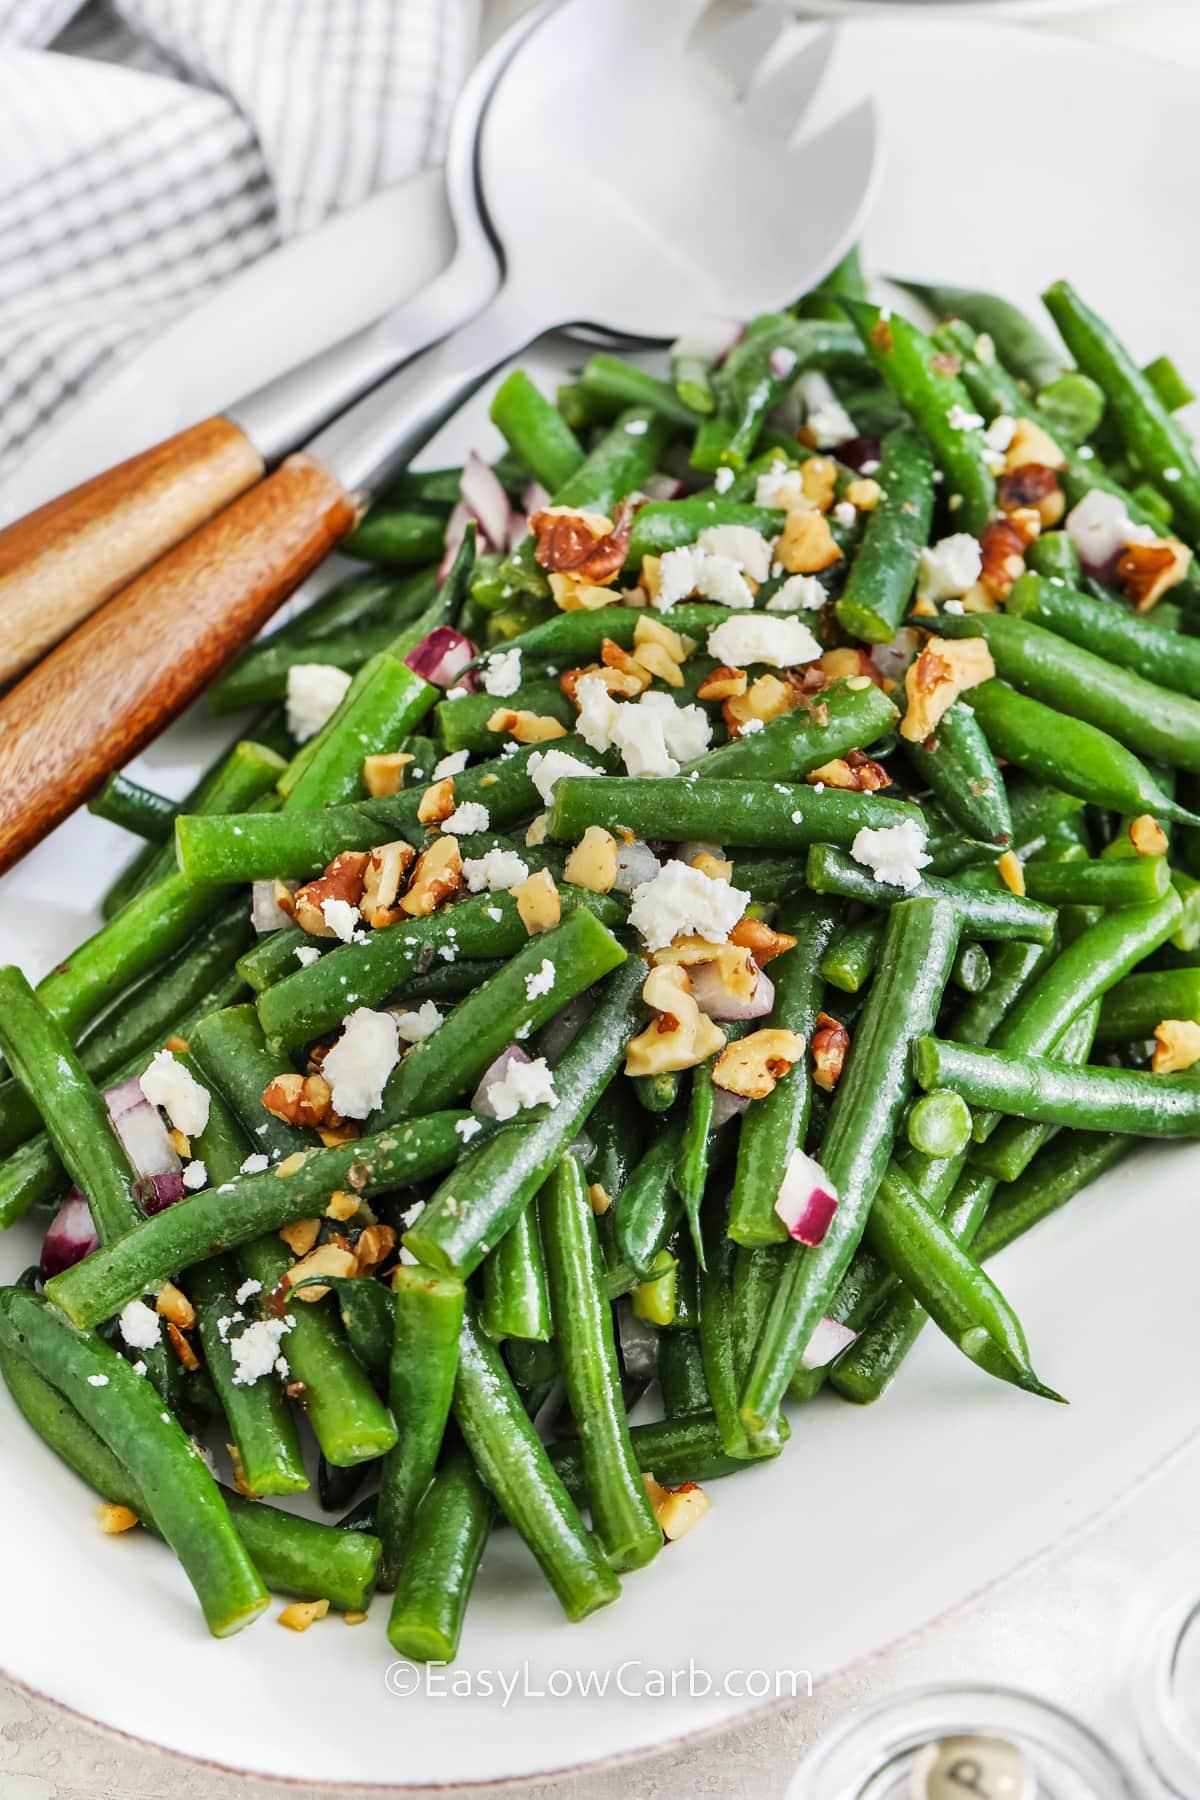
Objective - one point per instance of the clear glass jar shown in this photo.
(1166, 1682)
(1019, 1748)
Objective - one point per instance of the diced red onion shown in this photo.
(892, 659)
(534, 497)
(518, 525)
(693, 848)
(806, 1201)
(140, 1128)
(441, 657)
(663, 487)
(70, 1235)
(487, 503)
(727, 1106)
(714, 998)
(828, 1340)
(266, 914)
(858, 451)
(636, 863)
(638, 1340)
(157, 1192)
(481, 1099)
(782, 361)
(456, 527)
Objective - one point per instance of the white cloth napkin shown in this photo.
(150, 148)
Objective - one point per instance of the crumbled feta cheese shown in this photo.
(497, 869)
(502, 673)
(456, 693)
(194, 1176)
(467, 1129)
(825, 415)
(341, 918)
(959, 419)
(894, 854)
(690, 569)
(247, 1291)
(168, 1084)
(641, 740)
(454, 764)
(254, 1164)
(307, 954)
(1100, 526)
(539, 981)
(684, 902)
(953, 606)
(256, 1351)
(687, 730)
(361, 1061)
(102, 1381)
(1000, 433)
(1172, 474)
(468, 818)
(723, 479)
(549, 766)
(799, 593)
(139, 1367)
(748, 548)
(494, 913)
(781, 640)
(637, 427)
(314, 693)
(750, 726)
(597, 712)
(844, 514)
(522, 1085)
(415, 1027)
(140, 1325)
(950, 568)
(782, 361)
(781, 486)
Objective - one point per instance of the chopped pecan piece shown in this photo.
(436, 877)
(830, 1047)
(861, 776)
(1032, 485)
(881, 338)
(587, 546)
(1032, 444)
(1003, 557)
(651, 630)
(172, 1304)
(384, 775)
(945, 669)
(625, 683)
(946, 362)
(1147, 571)
(1177, 1046)
(437, 802)
(677, 1509)
(113, 1519)
(737, 970)
(592, 864)
(381, 888)
(1147, 835)
(766, 698)
(301, 1235)
(865, 493)
(751, 1066)
(373, 1247)
(342, 880)
(1011, 871)
(763, 943)
(806, 545)
(723, 684)
(300, 1100)
(181, 1347)
(526, 727)
(538, 902)
(300, 1614)
(849, 663)
(326, 1259)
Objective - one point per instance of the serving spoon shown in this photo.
(619, 184)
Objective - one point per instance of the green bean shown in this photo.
(1164, 377)
(577, 637)
(547, 972)
(396, 534)
(621, 1513)
(1073, 1161)
(748, 387)
(273, 955)
(535, 430)
(497, 1179)
(681, 1373)
(1060, 1093)
(1013, 1145)
(994, 392)
(939, 404)
(777, 1124)
(434, 1581)
(126, 1413)
(389, 702)
(463, 724)
(756, 814)
(1070, 753)
(134, 808)
(1074, 680)
(972, 969)
(515, 1301)
(424, 1357)
(957, 763)
(1132, 881)
(1157, 443)
(1071, 407)
(986, 914)
(1014, 964)
(884, 571)
(756, 1275)
(650, 1204)
(918, 954)
(849, 718)
(938, 1124)
(850, 960)
(1111, 631)
(616, 1128)
(673, 1450)
(73, 1109)
(221, 1219)
(512, 1461)
(1055, 559)
(1134, 1007)
(1017, 341)
(667, 524)
(720, 1347)
(625, 382)
(233, 1054)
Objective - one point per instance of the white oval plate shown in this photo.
(1011, 160)
(951, 10)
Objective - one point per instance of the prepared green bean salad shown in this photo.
(721, 871)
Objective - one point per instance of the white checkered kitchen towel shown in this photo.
(150, 148)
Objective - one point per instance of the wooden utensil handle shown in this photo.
(58, 564)
(96, 700)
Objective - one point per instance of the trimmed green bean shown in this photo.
(1073, 1161)
(434, 1580)
(884, 571)
(849, 718)
(754, 814)
(990, 915)
(397, 534)
(515, 1301)
(424, 1358)
(938, 1124)
(1052, 1092)
(1135, 1006)
(1109, 629)
(535, 430)
(1017, 341)
(650, 1205)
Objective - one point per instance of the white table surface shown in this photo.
(1055, 1627)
